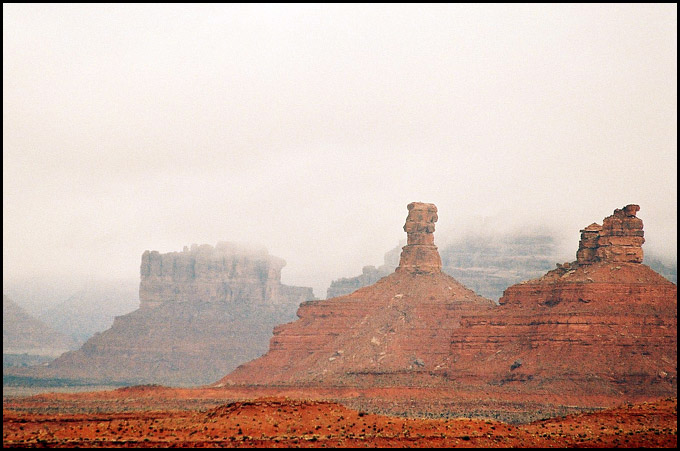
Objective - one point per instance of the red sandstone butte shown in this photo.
(604, 325)
(396, 331)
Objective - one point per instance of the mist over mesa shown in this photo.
(307, 129)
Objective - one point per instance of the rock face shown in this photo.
(489, 263)
(396, 331)
(226, 274)
(24, 334)
(618, 239)
(202, 312)
(603, 325)
(420, 255)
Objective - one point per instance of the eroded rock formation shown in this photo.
(203, 312)
(618, 239)
(603, 325)
(396, 331)
(226, 273)
(420, 255)
(488, 263)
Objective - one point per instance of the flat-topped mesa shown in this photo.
(619, 239)
(420, 255)
(225, 273)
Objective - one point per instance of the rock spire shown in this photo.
(420, 255)
(396, 331)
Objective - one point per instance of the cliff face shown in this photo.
(489, 264)
(225, 273)
(604, 325)
(395, 331)
(203, 312)
(618, 239)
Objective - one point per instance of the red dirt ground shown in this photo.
(163, 417)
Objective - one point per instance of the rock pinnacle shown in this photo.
(420, 255)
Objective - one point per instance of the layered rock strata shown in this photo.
(618, 239)
(603, 325)
(490, 263)
(227, 273)
(396, 331)
(420, 255)
(203, 312)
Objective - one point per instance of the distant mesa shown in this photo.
(226, 273)
(92, 308)
(396, 331)
(203, 311)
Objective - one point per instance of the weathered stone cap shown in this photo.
(619, 239)
(420, 255)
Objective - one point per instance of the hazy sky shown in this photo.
(308, 129)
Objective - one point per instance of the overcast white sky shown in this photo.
(308, 129)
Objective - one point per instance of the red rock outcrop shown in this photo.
(396, 331)
(603, 325)
(618, 239)
(420, 255)
(203, 312)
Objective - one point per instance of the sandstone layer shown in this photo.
(202, 312)
(604, 324)
(396, 331)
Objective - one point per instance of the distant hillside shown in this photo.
(667, 269)
(93, 308)
(24, 334)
